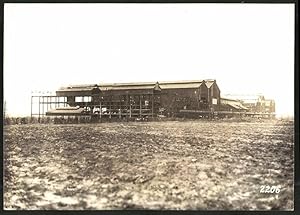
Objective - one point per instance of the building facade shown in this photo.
(142, 99)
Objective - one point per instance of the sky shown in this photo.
(247, 48)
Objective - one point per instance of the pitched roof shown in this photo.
(128, 84)
(209, 83)
(72, 89)
(233, 103)
(179, 85)
(237, 106)
(138, 85)
(133, 87)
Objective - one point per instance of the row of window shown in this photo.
(83, 99)
(89, 99)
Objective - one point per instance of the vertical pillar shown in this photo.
(129, 106)
(208, 99)
(140, 106)
(51, 102)
(110, 106)
(152, 104)
(48, 101)
(39, 107)
(100, 111)
(31, 108)
(43, 106)
(120, 106)
(47, 104)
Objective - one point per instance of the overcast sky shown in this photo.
(247, 48)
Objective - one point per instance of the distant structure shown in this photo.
(196, 98)
(250, 103)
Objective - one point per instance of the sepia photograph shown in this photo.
(148, 106)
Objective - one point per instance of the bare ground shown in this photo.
(151, 165)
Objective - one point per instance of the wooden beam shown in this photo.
(152, 104)
(140, 106)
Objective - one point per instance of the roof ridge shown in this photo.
(137, 83)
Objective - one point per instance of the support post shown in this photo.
(50, 102)
(120, 106)
(31, 108)
(129, 106)
(47, 101)
(43, 106)
(152, 103)
(126, 106)
(100, 111)
(110, 107)
(39, 108)
(140, 106)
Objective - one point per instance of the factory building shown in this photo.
(139, 99)
(196, 98)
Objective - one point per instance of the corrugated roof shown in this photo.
(138, 85)
(226, 99)
(74, 89)
(237, 106)
(128, 84)
(179, 85)
(81, 86)
(103, 88)
(233, 103)
(180, 82)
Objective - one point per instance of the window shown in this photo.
(87, 99)
(214, 101)
(83, 99)
(78, 99)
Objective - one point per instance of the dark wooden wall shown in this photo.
(171, 100)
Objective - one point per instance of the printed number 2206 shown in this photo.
(269, 189)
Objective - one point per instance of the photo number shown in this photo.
(270, 189)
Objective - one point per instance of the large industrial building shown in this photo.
(195, 98)
(147, 99)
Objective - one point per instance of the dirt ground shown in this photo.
(197, 165)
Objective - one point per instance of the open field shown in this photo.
(149, 165)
